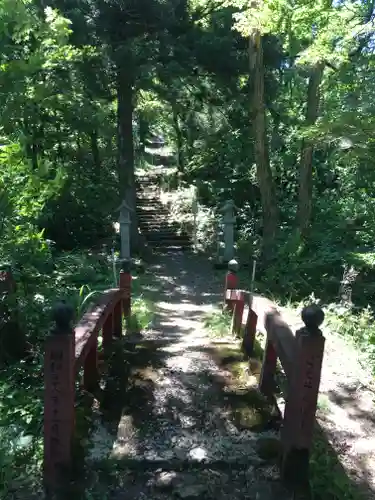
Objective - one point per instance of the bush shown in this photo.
(181, 203)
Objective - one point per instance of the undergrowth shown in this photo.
(79, 278)
(217, 324)
(357, 326)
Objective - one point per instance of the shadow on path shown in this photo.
(176, 411)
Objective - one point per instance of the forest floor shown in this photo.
(177, 433)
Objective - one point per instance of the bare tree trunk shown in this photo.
(95, 150)
(179, 139)
(264, 173)
(125, 91)
(307, 149)
(143, 131)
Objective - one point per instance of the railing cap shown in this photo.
(62, 315)
(233, 265)
(313, 317)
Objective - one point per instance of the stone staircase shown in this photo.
(154, 218)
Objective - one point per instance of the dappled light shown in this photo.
(187, 264)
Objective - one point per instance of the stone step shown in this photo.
(169, 243)
(147, 183)
(159, 227)
(147, 207)
(151, 232)
(165, 236)
(165, 218)
(153, 199)
(147, 186)
(157, 220)
(153, 215)
(170, 464)
(153, 209)
(147, 191)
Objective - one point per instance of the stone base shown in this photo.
(221, 264)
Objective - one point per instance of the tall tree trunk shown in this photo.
(80, 154)
(127, 191)
(307, 149)
(95, 150)
(264, 173)
(143, 131)
(60, 149)
(179, 139)
(30, 146)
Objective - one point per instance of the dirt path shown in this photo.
(176, 437)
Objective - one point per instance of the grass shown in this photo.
(79, 278)
(328, 478)
(217, 324)
(250, 410)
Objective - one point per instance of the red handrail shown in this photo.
(67, 350)
(301, 356)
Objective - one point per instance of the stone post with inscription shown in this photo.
(59, 376)
(302, 398)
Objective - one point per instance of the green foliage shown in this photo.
(328, 478)
(218, 324)
(142, 313)
(181, 202)
(78, 278)
(189, 70)
(357, 326)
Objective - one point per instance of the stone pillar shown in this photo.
(228, 221)
(125, 222)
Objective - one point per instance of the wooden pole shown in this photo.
(231, 283)
(249, 332)
(302, 398)
(239, 306)
(59, 376)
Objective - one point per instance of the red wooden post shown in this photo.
(117, 320)
(267, 375)
(237, 315)
(90, 367)
(107, 331)
(249, 332)
(59, 375)
(302, 398)
(231, 283)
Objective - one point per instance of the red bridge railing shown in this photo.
(67, 350)
(301, 356)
